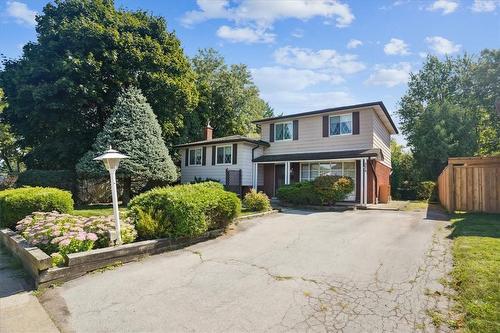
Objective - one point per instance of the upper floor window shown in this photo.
(283, 131)
(341, 125)
(195, 156)
(224, 154)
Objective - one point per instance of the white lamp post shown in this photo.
(111, 159)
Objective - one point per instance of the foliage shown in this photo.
(62, 89)
(63, 179)
(449, 110)
(133, 130)
(183, 211)
(333, 188)
(256, 201)
(476, 254)
(53, 232)
(17, 203)
(203, 180)
(324, 190)
(404, 175)
(426, 190)
(10, 153)
(229, 99)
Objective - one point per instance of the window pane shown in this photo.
(220, 155)
(304, 171)
(287, 131)
(191, 156)
(346, 124)
(198, 156)
(337, 169)
(227, 154)
(324, 169)
(279, 132)
(314, 171)
(335, 125)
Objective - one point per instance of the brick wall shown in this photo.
(383, 173)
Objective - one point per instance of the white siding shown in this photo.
(311, 136)
(244, 162)
(382, 140)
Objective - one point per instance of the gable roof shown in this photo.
(225, 139)
(378, 104)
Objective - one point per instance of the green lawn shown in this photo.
(97, 210)
(476, 271)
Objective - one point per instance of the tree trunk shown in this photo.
(127, 189)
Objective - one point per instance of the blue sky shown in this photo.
(306, 55)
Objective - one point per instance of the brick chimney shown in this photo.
(208, 132)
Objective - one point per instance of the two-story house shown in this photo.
(351, 141)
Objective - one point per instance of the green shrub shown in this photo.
(63, 179)
(324, 190)
(426, 190)
(17, 203)
(333, 188)
(184, 210)
(256, 201)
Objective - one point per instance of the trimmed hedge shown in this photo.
(63, 179)
(17, 203)
(256, 201)
(426, 190)
(183, 210)
(324, 190)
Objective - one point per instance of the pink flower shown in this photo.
(81, 236)
(65, 242)
(91, 236)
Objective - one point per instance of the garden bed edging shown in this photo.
(39, 264)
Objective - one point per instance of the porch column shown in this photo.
(255, 179)
(287, 173)
(361, 182)
(365, 181)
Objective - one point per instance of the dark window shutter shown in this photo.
(271, 132)
(213, 155)
(186, 159)
(296, 129)
(326, 120)
(204, 156)
(235, 153)
(355, 123)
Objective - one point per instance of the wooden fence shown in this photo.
(471, 184)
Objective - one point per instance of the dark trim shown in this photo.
(342, 108)
(213, 154)
(235, 153)
(221, 140)
(355, 123)
(358, 181)
(296, 129)
(374, 152)
(186, 159)
(204, 156)
(326, 126)
(271, 132)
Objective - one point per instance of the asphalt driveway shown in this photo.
(356, 271)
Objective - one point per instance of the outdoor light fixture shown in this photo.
(111, 159)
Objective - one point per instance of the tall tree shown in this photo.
(133, 130)
(229, 99)
(63, 88)
(404, 174)
(10, 152)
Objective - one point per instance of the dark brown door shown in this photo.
(269, 179)
(280, 176)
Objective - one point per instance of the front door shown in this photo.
(279, 178)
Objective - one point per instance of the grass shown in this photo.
(476, 271)
(97, 210)
(416, 205)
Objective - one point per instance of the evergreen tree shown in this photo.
(133, 130)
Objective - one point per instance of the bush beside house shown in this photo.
(256, 201)
(15, 204)
(324, 190)
(183, 211)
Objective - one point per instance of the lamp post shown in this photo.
(111, 159)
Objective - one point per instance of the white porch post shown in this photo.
(365, 182)
(255, 179)
(287, 173)
(361, 188)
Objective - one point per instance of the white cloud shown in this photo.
(245, 35)
(422, 54)
(390, 76)
(21, 13)
(322, 59)
(298, 33)
(396, 47)
(446, 6)
(290, 102)
(278, 79)
(483, 6)
(354, 43)
(442, 45)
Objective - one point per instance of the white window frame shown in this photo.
(189, 156)
(330, 124)
(223, 146)
(276, 132)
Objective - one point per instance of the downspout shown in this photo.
(375, 177)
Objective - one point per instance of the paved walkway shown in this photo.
(356, 271)
(20, 311)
